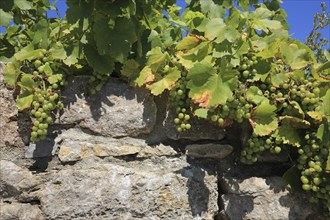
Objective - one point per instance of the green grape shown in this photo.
(188, 126)
(176, 121)
(186, 117)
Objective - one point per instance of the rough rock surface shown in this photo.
(211, 150)
(263, 198)
(117, 110)
(114, 189)
(200, 129)
(20, 211)
(13, 127)
(14, 180)
(75, 145)
(258, 192)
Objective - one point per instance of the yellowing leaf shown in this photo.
(201, 113)
(156, 58)
(264, 119)
(24, 100)
(145, 76)
(317, 116)
(208, 88)
(11, 73)
(188, 42)
(27, 82)
(167, 82)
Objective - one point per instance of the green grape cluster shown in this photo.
(312, 162)
(97, 81)
(179, 99)
(307, 93)
(256, 145)
(45, 98)
(246, 67)
(236, 108)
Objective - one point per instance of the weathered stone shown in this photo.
(14, 179)
(200, 129)
(159, 150)
(115, 189)
(262, 198)
(75, 145)
(13, 132)
(117, 110)
(20, 211)
(211, 150)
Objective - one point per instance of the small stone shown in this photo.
(159, 150)
(216, 151)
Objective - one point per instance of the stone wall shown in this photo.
(115, 155)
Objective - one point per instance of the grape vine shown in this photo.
(222, 61)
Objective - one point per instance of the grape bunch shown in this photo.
(312, 162)
(45, 98)
(237, 107)
(256, 145)
(246, 67)
(179, 99)
(97, 81)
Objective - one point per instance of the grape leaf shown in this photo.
(167, 82)
(29, 53)
(289, 135)
(78, 10)
(6, 18)
(292, 178)
(317, 116)
(201, 113)
(296, 111)
(325, 107)
(263, 70)
(260, 20)
(279, 78)
(27, 82)
(323, 133)
(100, 63)
(156, 58)
(264, 119)
(23, 4)
(208, 88)
(295, 56)
(294, 122)
(57, 51)
(130, 69)
(41, 34)
(254, 95)
(188, 42)
(48, 70)
(55, 78)
(145, 76)
(11, 73)
(212, 9)
(193, 55)
(24, 100)
(214, 28)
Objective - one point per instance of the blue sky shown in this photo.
(300, 15)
